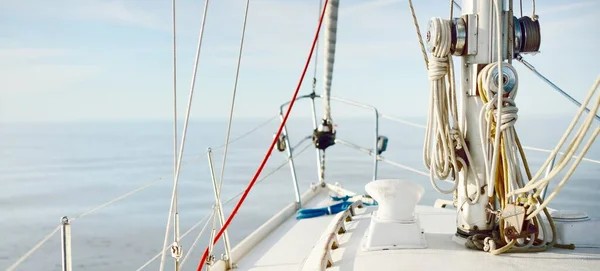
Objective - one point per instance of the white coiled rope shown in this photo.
(442, 134)
(505, 120)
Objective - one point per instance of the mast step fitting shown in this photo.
(324, 135)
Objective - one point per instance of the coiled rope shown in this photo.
(443, 136)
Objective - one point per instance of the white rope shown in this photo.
(504, 119)
(183, 137)
(224, 203)
(330, 39)
(232, 105)
(196, 241)
(419, 37)
(33, 249)
(410, 123)
(385, 160)
(443, 135)
(205, 219)
(539, 183)
(382, 159)
(262, 124)
(561, 153)
(228, 133)
(437, 157)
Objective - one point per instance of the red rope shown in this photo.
(270, 150)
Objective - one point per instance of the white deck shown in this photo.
(289, 245)
(296, 245)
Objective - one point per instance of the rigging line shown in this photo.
(33, 249)
(269, 174)
(119, 198)
(115, 200)
(208, 217)
(232, 106)
(197, 239)
(185, 126)
(416, 23)
(385, 160)
(457, 5)
(228, 134)
(248, 133)
(561, 153)
(392, 118)
(399, 120)
(173, 5)
(554, 86)
(521, 7)
(272, 146)
(205, 219)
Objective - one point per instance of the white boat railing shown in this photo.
(289, 151)
(372, 151)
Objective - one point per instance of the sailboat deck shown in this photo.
(288, 246)
(443, 253)
(297, 245)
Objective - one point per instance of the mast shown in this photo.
(476, 145)
(481, 50)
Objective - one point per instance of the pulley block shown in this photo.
(281, 146)
(509, 78)
(324, 135)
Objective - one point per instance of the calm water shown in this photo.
(54, 169)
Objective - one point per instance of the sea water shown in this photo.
(49, 170)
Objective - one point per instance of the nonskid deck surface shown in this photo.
(294, 245)
(287, 247)
(443, 253)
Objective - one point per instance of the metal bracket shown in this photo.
(472, 24)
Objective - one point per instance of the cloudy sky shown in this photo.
(67, 60)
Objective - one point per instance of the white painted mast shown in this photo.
(480, 47)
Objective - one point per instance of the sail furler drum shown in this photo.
(394, 224)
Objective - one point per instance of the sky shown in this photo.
(76, 60)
